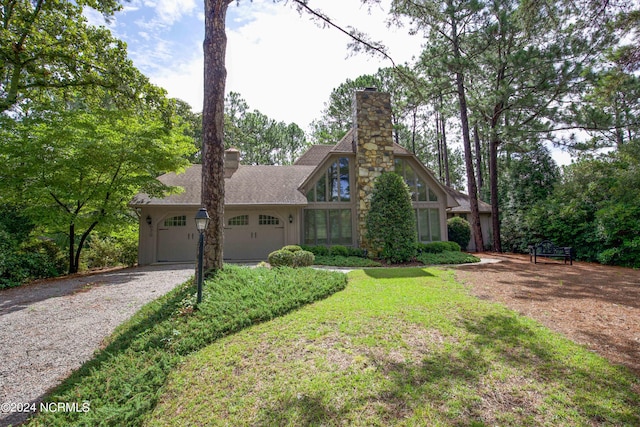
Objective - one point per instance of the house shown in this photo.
(322, 199)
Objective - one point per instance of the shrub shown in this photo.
(292, 248)
(459, 231)
(339, 250)
(303, 258)
(437, 247)
(357, 252)
(350, 261)
(281, 258)
(316, 250)
(37, 259)
(110, 251)
(391, 223)
(447, 257)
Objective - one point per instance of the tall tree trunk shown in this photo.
(445, 151)
(476, 137)
(493, 179)
(439, 148)
(73, 267)
(215, 76)
(466, 139)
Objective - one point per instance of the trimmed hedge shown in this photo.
(437, 247)
(286, 258)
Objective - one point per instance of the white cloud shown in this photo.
(283, 63)
(170, 11)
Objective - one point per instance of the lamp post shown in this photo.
(202, 221)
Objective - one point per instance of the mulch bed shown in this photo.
(594, 305)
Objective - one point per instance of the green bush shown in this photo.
(281, 258)
(437, 247)
(317, 250)
(303, 258)
(447, 257)
(350, 261)
(391, 222)
(357, 252)
(459, 231)
(31, 260)
(292, 248)
(339, 250)
(110, 251)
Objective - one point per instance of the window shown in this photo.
(420, 192)
(327, 227)
(428, 223)
(268, 220)
(333, 185)
(176, 221)
(239, 220)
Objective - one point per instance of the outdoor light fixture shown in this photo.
(202, 221)
(290, 219)
(149, 220)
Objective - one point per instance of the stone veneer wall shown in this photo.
(373, 145)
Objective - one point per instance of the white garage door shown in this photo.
(252, 236)
(177, 239)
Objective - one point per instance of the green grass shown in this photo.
(398, 347)
(123, 382)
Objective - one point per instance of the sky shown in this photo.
(283, 63)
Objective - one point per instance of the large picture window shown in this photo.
(420, 192)
(327, 227)
(428, 223)
(334, 185)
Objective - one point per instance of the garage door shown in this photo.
(252, 236)
(177, 239)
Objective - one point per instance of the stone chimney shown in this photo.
(231, 162)
(373, 145)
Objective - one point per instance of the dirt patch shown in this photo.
(595, 305)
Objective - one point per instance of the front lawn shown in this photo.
(398, 347)
(123, 382)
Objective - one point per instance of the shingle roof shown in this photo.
(464, 204)
(314, 155)
(249, 185)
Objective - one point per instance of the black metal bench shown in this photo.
(547, 249)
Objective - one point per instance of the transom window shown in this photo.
(239, 220)
(268, 220)
(176, 221)
(428, 223)
(333, 185)
(420, 192)
(327, 227)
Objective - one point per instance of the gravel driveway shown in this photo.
(51, 328)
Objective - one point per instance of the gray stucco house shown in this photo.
(321, 199)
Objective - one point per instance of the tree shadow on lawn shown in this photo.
(535, 373)
(397, 272)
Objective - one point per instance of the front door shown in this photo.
(252, 236)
